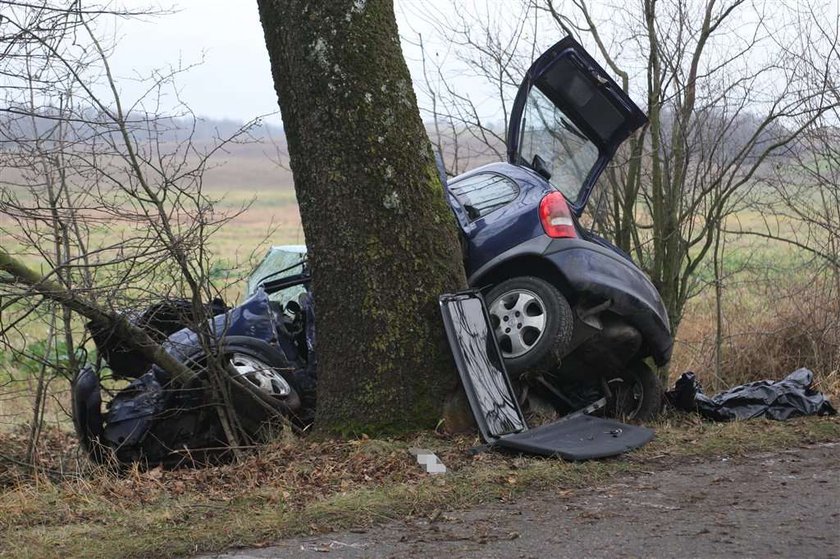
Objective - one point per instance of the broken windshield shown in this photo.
(280, 262)
(555, 147)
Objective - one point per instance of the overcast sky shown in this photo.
(234, 80)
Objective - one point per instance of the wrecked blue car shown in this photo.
(267, 341)
(575, 319)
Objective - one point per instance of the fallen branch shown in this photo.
(108, 320)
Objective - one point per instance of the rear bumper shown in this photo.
(600, 274)
(595, 273)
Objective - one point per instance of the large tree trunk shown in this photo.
(382, 241)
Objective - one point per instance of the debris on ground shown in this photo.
(576, 436)
(429, 460)
(780, 400)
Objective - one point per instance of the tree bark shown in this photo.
(381, 239)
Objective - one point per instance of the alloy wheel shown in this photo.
(518, 318)
(261, 375)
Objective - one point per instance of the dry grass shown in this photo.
(301, 487)
(769, 331)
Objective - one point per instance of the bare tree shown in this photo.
(726, 92)
(102, 202)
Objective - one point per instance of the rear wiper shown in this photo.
(539, 165)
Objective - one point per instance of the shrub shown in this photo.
(767, 334)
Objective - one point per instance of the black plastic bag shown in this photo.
(780, 400)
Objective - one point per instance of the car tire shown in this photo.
(265, 366)
(533, 323)
(635, 395)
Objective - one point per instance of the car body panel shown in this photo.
(505, 227)
(86, 406)
(253, 319)
(604, 275)
(597, 273)
(494, 404)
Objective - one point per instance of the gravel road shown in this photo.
(781, 504)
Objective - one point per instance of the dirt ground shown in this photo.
(781, 504)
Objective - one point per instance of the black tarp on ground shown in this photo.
(779, 400)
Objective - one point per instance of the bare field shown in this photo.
(758, 340)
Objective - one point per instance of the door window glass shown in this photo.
(481, 194)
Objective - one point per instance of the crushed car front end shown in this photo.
(153, 420)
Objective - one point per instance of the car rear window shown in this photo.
(481, 194)
(567, 154)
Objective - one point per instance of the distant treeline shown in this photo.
(44, 124)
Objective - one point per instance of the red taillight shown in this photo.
(555, 216)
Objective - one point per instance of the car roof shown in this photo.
(518, 173)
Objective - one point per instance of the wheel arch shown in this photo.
(525, 265)
(538, 266)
